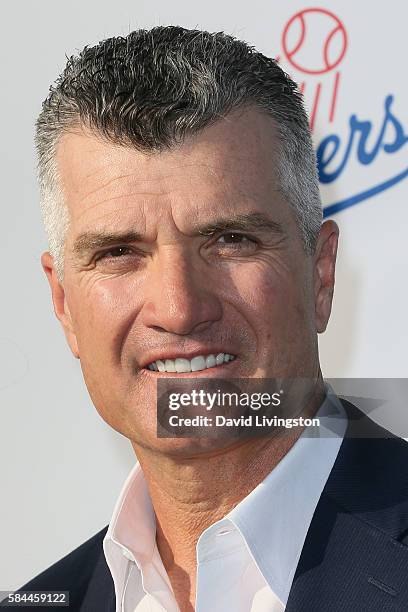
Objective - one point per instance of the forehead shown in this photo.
(227, 167)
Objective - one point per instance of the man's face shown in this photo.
(202, 256)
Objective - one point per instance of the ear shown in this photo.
(60, 303)
(324, 272)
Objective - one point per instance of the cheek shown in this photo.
(269, 296)
(278, 305)
(103, 317)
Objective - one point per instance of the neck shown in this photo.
(191, 493)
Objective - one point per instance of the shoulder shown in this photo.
(355, 553)
(372, 451)
(72, 572)
(370, 476)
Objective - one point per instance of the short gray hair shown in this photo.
(153, 87)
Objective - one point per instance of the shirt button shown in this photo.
(128, 554)
(222, 532)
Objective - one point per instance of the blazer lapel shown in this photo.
(100, 595)
(354, 557)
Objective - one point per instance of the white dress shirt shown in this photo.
(246, 561)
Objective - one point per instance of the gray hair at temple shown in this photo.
(152, 88)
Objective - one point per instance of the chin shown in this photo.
(185, 448)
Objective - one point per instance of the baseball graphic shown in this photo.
(314, 41)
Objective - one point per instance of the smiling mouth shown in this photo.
(199, 363)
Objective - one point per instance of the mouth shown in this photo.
(183, 365)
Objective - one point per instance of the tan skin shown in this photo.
(263, 300)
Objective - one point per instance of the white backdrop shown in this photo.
(61, 466)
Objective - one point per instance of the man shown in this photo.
(180, 195)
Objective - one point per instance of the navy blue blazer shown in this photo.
(355, 556)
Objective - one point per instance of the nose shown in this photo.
(178, 297)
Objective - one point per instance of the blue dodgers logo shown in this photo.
(331, 162)
(314, 43)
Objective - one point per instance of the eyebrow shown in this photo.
(88, 242)
(248, 222)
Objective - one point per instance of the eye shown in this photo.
(235, 238)
(115, 253)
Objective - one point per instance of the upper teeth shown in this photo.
(201, 362)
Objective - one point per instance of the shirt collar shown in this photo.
(275, 517)
(133, 524)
